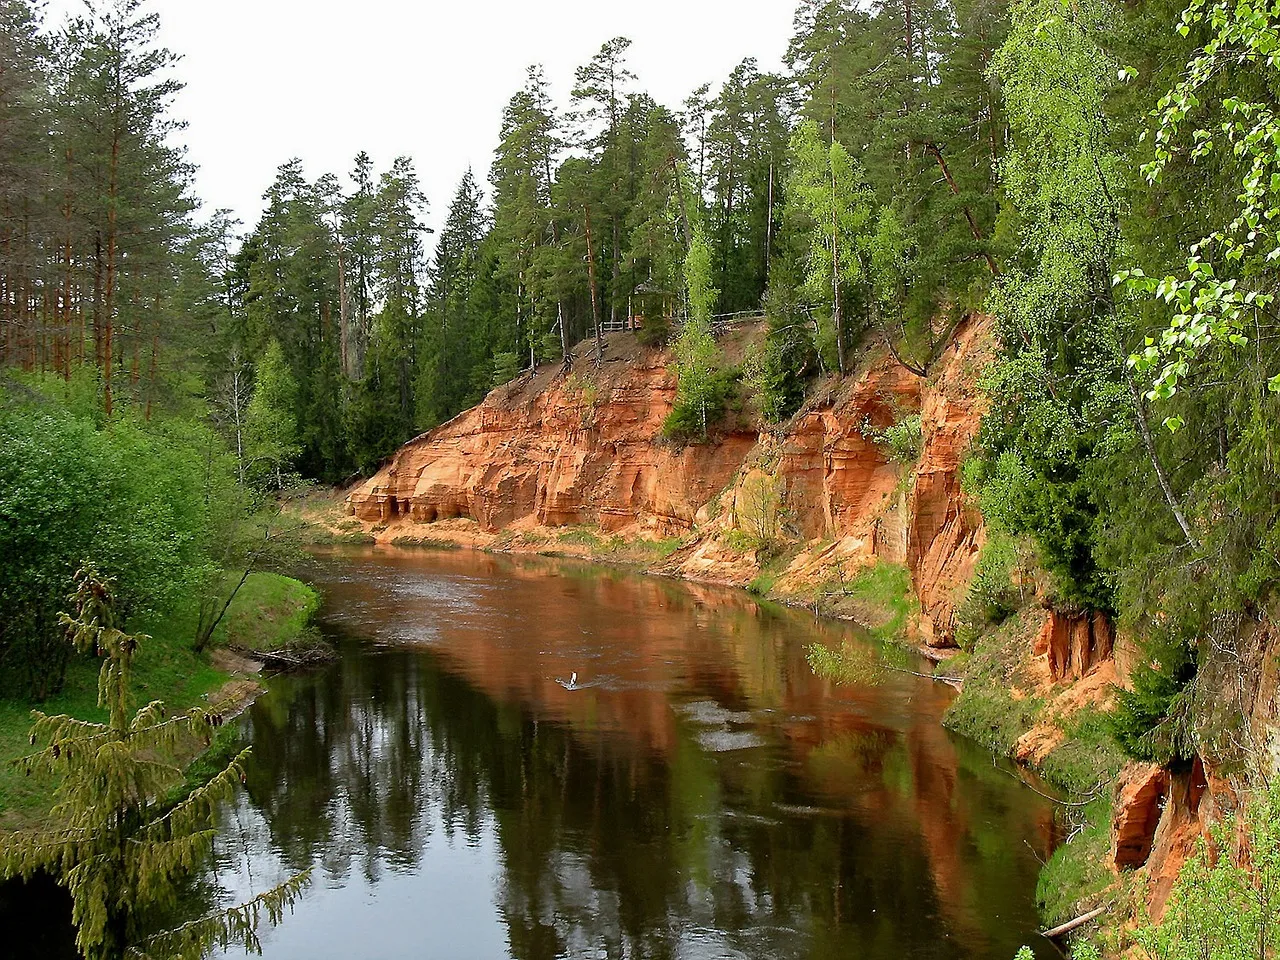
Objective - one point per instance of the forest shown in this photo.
(1101, 178)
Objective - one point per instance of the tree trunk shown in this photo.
(1163, 480)
(768, 225)
(344, 305)
(151, 391)
(836, 312)
(591, 274)
(108, 325)
(566, 357)
(968, 214)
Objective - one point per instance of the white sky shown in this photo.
(267, 80)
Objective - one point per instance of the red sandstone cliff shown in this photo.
(551, 450)
(555, 450)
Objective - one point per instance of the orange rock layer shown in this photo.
(552, 450)
(559, 450)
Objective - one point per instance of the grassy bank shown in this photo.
(269, 613)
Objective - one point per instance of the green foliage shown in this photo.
(1077, 873)
(829, 190)
(1150, 721)
(758, 508)
(270, 428)
(1223, 905)
(506, 367)
(110, 840)
(705, 387)
(992, 594)
(142, 498)
(901, 440)
(778, 373)
(1218, 298)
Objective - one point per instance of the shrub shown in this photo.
(991, 595)
(758, 505)
(506, 367)
(1221, 907)
(1150, 721)
(901, 440)
(692, 417)
(139, 500)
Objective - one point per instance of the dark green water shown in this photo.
(698, 793)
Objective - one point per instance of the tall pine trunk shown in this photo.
(591, 274)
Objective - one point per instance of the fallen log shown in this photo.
(291, 658)
(1070, 925)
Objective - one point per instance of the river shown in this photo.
(697, 792)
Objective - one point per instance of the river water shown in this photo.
(697, 793)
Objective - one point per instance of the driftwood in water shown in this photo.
(292, 658)
(1079, 921)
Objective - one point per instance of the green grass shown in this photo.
(663, 548)
(985, 710)
(271, 612)
(1077, 872)
(425, 543)
(1081, 765)
(166, 669)
(581, 536)
(878, 596)
(739, 541)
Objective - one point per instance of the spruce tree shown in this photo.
(113, 839)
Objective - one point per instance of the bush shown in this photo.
(1221, 907)
(654, 332)
(758, 507)
(506, 367)
(991, 596)
(693, 416)
(1150, 721)
(901, 440)
(136, 499)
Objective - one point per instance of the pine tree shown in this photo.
(656, 246)
(521, 178)
(451, 334)
(112, 839)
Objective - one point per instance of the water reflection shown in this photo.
(699, 794)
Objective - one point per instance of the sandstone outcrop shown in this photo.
(551, 450)
(1074, 644)
(556, 450)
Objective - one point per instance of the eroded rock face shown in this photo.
(558, 450)
(1160, 819)
(1074, 643)
(553, 450)
(1141, 794)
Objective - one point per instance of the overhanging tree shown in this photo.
(112, 839)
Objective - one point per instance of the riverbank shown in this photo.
(270, 612)
(856, 507)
